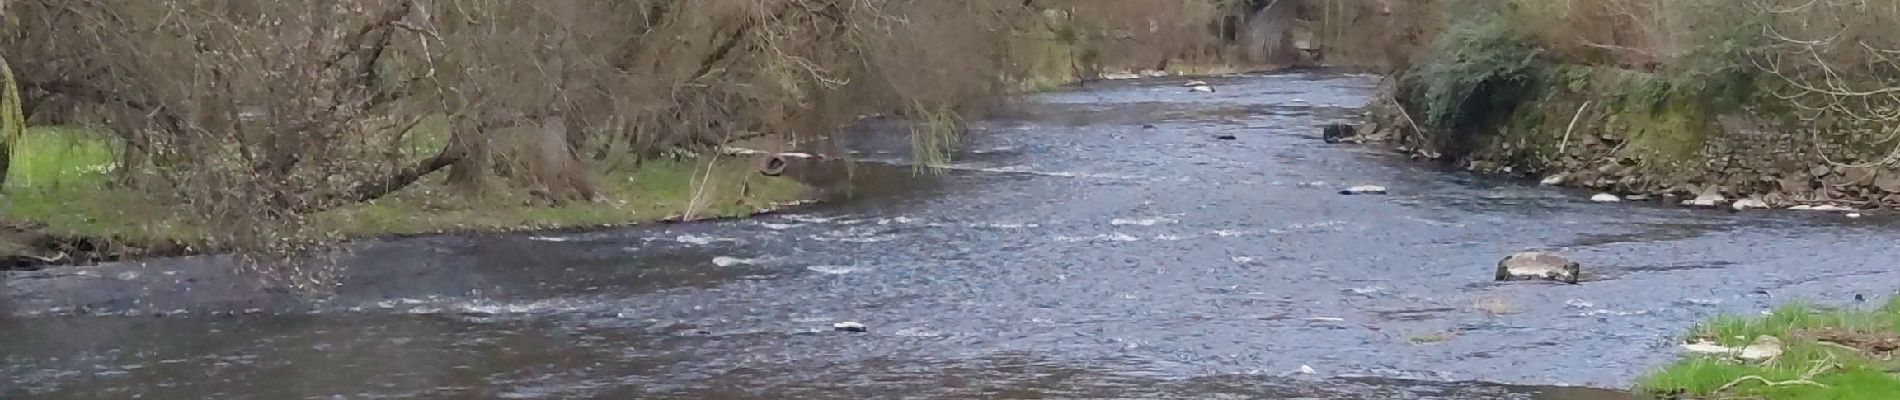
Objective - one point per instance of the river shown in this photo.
(1096, 242)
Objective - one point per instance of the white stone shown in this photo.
(1853, 215)
(1699, 203)
(1554, 180)
(724, 261)
(1364, 189)
(1194, 83)
(1116, 76)
(1749, 204)
(1605, 198)
(1763, 348)
(1831, 207)
(1201, 89)
(849, 326)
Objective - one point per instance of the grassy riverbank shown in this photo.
(1826, 354)
(63, 186)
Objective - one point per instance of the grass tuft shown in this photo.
(1828, 354)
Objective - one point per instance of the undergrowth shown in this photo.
(1477, 73)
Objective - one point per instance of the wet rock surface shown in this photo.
(1524, 266)
(1005, 277)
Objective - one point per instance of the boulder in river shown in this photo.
(1201, 89)
(1532, 265)
(849, 326)
(1336, 133)
(1190, 84)
(1364, 190)
(1554, 180)
(1605, 198)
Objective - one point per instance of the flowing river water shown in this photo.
(1093, 243)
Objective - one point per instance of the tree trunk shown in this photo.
(12, 119)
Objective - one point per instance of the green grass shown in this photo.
(1838, 372)
(61, 177)
(63, 180)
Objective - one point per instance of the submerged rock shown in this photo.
(1226, 136)
(1363, 190)
(849, 326)
(1605, 198)
(1532, 265)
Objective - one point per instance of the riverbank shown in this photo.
(1497, 90)
(62, 205)
(1813, 354)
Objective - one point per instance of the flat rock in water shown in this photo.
(1605, 198)
(1364, 190)
(1830, 207)
(849, 326)
(1201, 89)
(1194, 83)
(1699, 203)
(1532, 265)
(1749, 204)
(1554, 180)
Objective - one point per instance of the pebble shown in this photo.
(1605, 198)
(849, 326)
